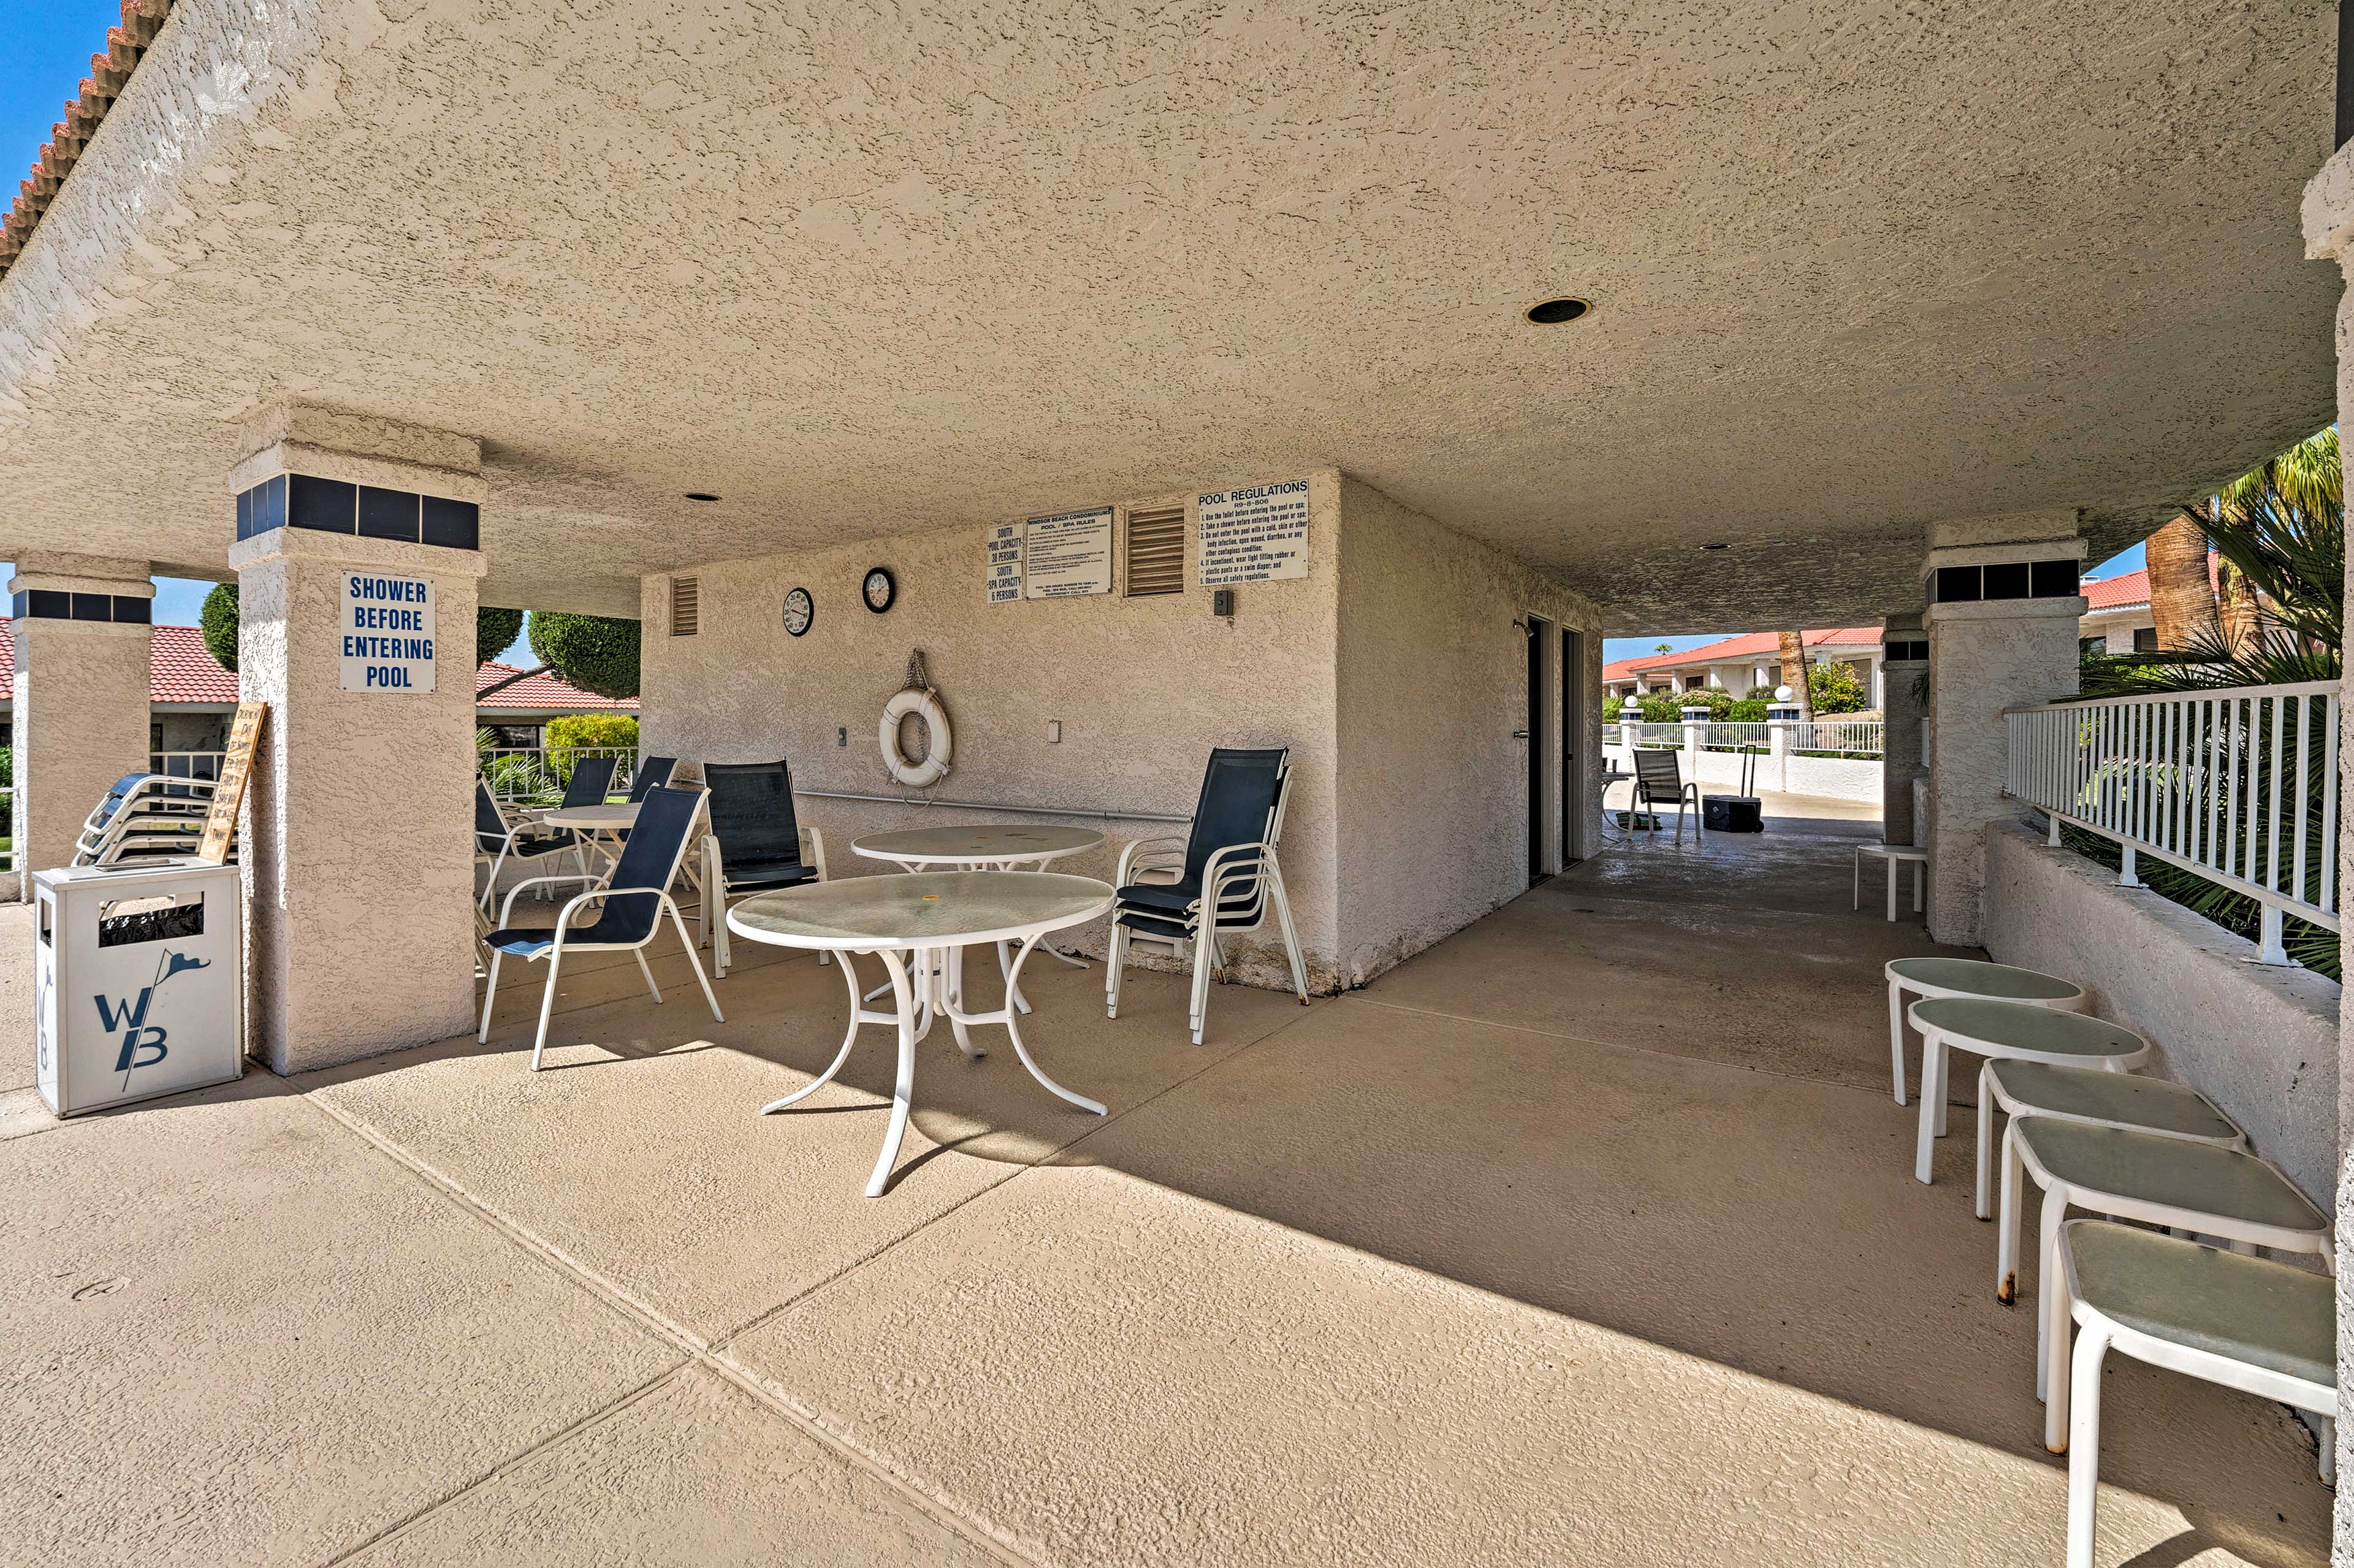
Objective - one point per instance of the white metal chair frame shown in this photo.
(711, 919)
(2079, 1397)
(1246, 871)
(1898, 985)
(516, 831)
(560, 946)
(2051, 1321)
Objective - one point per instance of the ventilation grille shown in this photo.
(1156, 552)
(685, 606)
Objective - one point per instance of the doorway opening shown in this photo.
(1542, 741)
(1572, 732)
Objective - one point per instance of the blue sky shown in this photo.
(48, 45)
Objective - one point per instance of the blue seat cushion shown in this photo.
(522, 942)
(546, 843)
(1172, 896)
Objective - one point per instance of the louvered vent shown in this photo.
(1156, 552)
(685, 606)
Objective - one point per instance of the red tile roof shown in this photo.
(181, 670)
(109, 74)
(2130, 588)
(1750, 645)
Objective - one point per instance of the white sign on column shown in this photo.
(387, 633)
(1255, 535)
(1003, 583)
(1067, 555)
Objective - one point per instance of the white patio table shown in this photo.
(597, 825)
(990, 847)
(919, 925)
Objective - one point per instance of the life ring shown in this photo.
(934, 765)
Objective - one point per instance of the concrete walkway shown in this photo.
(1586, 1237)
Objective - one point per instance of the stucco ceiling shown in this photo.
(863, 271)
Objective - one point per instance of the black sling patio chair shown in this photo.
(757, 844)
(498, 841)
(652, 774)
(631, 906)
(1221, 877)
(1659, 781)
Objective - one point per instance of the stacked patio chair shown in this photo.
(1217, 880)
(144, 817)
(2126, 1148)
(497, 841)
(756, 844)
(1659, 781)
(630, 907)
(652, 774)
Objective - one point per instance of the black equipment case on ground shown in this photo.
(1742, 813)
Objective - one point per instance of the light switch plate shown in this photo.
(1053, 732)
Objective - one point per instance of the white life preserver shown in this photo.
(934, 765)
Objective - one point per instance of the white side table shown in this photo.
(1895, 855)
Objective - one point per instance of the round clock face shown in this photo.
(800, 610)
(880, 589)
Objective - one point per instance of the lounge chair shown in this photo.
(1225, 869)
(756, 844)
(633, 906)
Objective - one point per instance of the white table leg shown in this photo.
(1892, 888)
(1009, 1016)
(858, 1015)
(952, 1001)
(1013, 996)
(1933, 1094)
(1896, 1037)
(904, 1091)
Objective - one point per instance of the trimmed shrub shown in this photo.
(595, 652)
(575, 733)
(217, 622)
(493, 631)
(1835, 689)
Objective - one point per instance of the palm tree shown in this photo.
(1794, 671)
(2182, 600)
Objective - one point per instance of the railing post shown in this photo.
(1781, 722)
(2271, 949)
(1695, 731)
(2125, 878)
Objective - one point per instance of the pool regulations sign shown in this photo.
(387, 633)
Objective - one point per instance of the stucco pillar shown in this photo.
(2330, 237)
(1904, 662)
(79, 719)
(2002, 611)
(357, 571)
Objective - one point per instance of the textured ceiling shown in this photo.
(864, 269)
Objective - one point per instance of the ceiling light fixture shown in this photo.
(700, 495)
(1552, 313)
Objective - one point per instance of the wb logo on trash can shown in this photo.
(139, 1036)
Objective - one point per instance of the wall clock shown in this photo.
(880, 590)
(800, 610)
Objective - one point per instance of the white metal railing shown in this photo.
(2239, 786)
(1839, 737)
(1737, 734)
(536, 775)
(1845, 737)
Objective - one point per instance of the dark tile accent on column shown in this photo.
(270, 507)
(93, 606)
(388, 514)
(1958, 584)
(328, 505)
(2006, 579)
(2056, 579)
(50, 604)
(131, 609)
(454, 524)
(245, 513)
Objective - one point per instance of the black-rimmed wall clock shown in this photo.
(880, 590)
(799, 611)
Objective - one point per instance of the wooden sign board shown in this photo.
(236, 767)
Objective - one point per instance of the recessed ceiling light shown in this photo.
(700, 495)
(1552, 313)
(1716, 546)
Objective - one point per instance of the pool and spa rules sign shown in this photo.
(1254, 535)
(388, 632)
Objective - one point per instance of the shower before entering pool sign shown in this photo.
(388, 632)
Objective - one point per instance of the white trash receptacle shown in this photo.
(138, 985)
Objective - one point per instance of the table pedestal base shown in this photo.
(927, 984)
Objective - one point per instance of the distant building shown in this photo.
(1752, 662)
(2119, 614)
(190, 698)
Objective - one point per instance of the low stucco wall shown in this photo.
(1853, 779)
(2260, 1041)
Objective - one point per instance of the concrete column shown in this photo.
(357, 846)
(79, 718)
(2002, 618)
(1905, 663)
(2330, 236)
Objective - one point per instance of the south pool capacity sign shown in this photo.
(388, 632)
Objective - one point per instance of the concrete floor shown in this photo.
(1587, 1236)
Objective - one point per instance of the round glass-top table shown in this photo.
(2019, 1031)
(599, 826)
(919, 925)
(992, 846)
(1932, 976)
